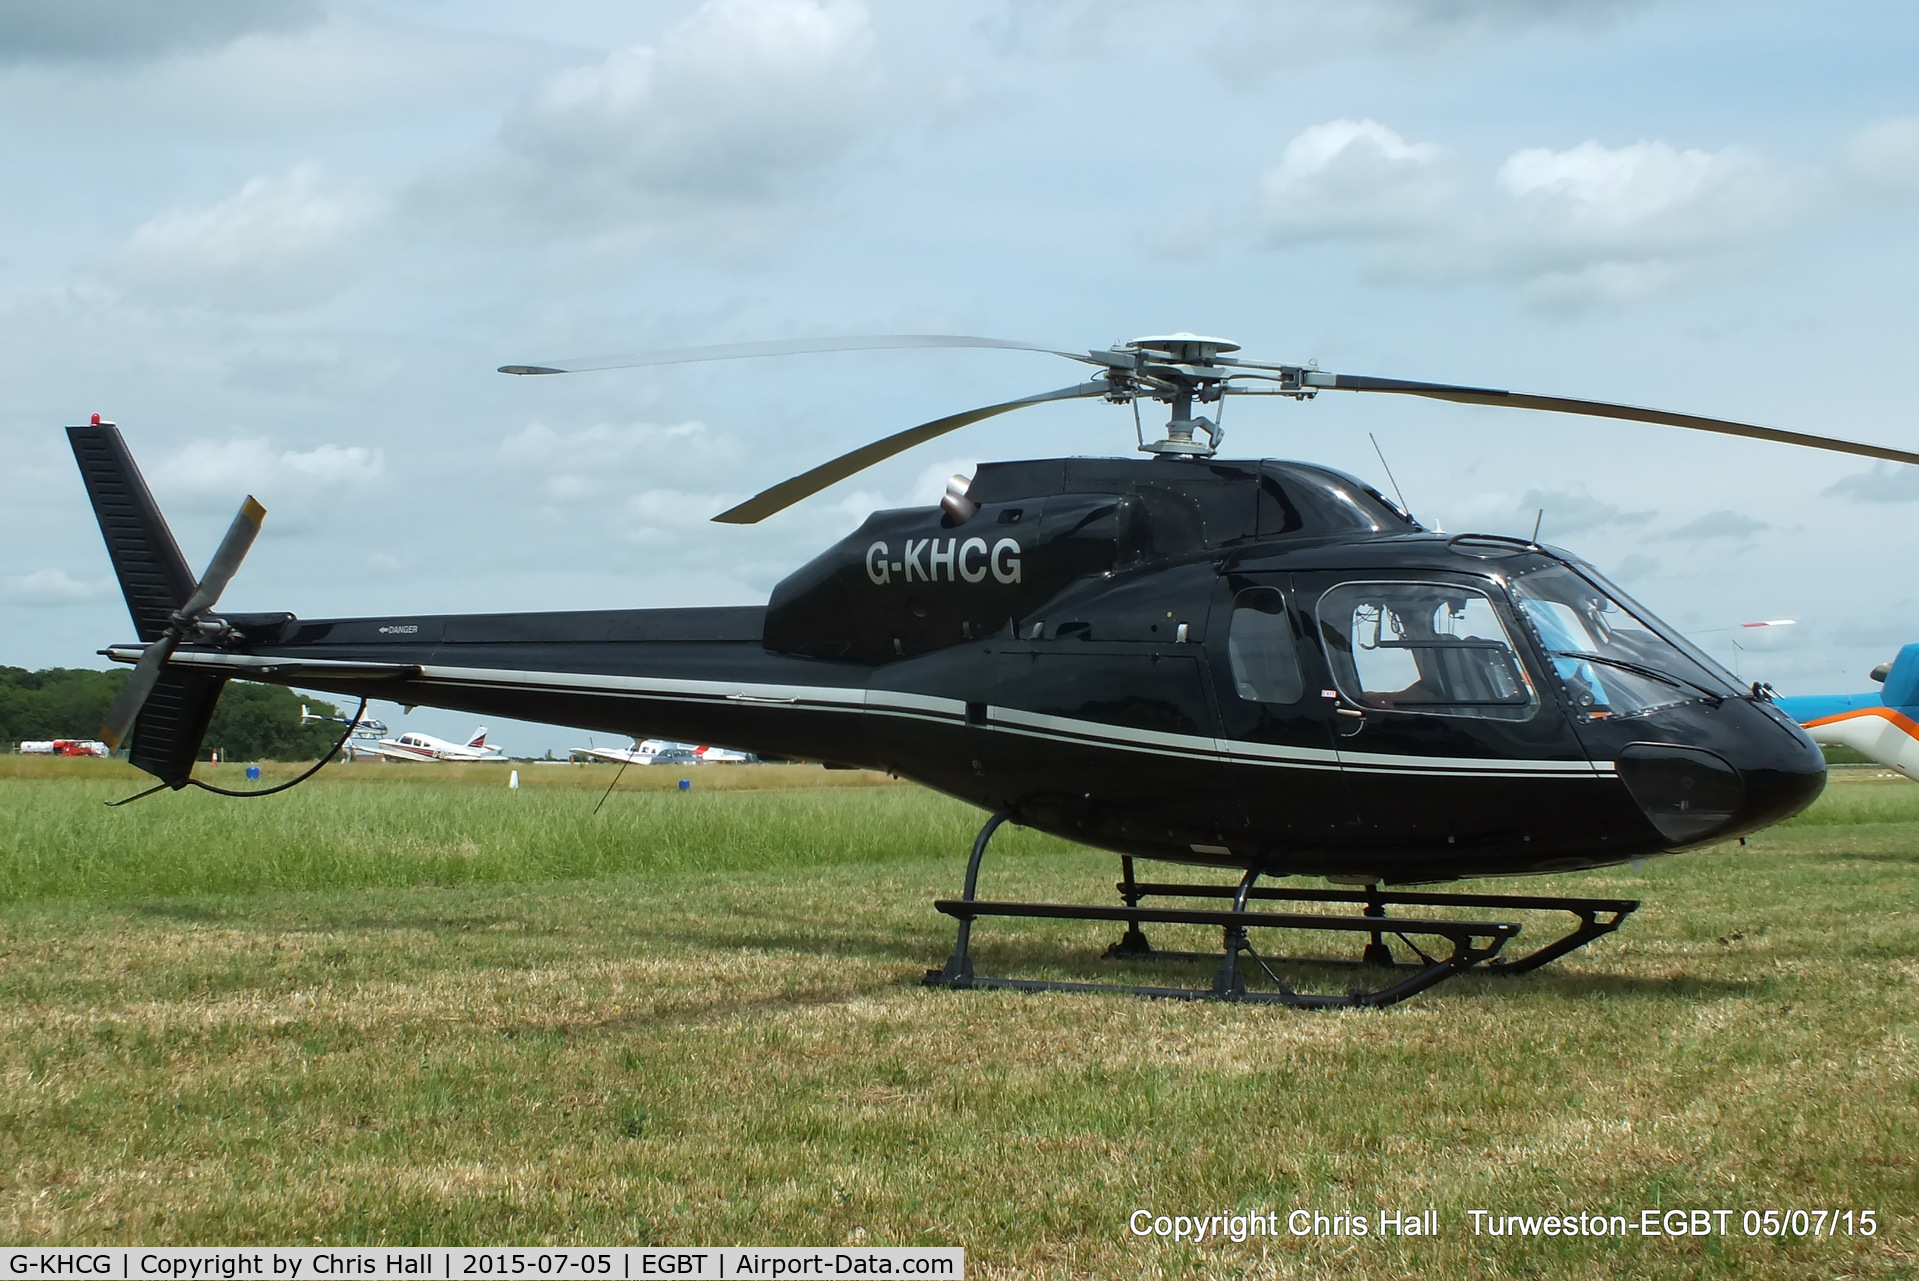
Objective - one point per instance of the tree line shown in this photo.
(251, 722)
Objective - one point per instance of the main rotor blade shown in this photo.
(806, 484)
(783, 347)
(226, 559)
(133, 695)
(1603, 409)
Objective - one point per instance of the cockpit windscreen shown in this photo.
(1610, 655)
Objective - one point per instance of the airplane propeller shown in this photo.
(186, 621)
(1176, 369)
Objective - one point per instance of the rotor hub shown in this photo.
(1185, 349)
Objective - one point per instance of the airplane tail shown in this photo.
(478, 741)
(157, 583)
(1885, 728)
(1902, 681)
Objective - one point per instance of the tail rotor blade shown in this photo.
(232, 550)
(133, 695)
(806, 484)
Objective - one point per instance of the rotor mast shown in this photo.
(1178, 369)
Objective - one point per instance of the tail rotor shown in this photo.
(191, 620)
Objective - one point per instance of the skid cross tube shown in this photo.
(1473, 942)
(1470, 943)
(1597, 916)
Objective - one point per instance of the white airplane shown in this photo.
(364, 741)
(364, 727)
(413, 746)
(649, 752)
(638, 754)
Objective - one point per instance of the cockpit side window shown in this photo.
(1263, 649)
(1432, 648)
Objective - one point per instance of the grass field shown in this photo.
(413, 1006)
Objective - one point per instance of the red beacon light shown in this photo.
(101, 422)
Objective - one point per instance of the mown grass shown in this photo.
(721, 1040)
(368, 825)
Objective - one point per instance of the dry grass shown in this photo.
(711, 1054)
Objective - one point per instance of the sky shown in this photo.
(285, 245)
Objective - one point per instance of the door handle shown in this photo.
(1351, 711)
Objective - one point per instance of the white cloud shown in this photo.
(1884, 483)
(241, 465)
(1584, 223)
(1647, 196)
(667, 515)
(604, 445)
(54, 587)
(1885, 157)
(581, 465)
(335, 464)
(740, 107)
(273, 244)
(1567, 512)
(1351, 180)
(1618, 222)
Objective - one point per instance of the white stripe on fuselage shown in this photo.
(926, 707)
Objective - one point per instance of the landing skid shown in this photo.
(1451, 946)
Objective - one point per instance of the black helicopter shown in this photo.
(1258, 665)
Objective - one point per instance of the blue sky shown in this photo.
(284, 245)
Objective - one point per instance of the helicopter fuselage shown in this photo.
(1249, 664)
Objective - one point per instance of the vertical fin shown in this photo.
(155, 578)
(152, 572)
(173, 723)
(1902, 682)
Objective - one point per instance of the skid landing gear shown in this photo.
(1451, 946)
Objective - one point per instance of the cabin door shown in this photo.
(1280, 775)
(1447, 738)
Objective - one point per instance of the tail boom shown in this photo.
(695, 675)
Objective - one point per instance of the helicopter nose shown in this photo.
(1784, 772)
(1752, 768)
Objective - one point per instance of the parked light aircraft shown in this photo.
(364, 726)
(648, 751)
(1882, 724)
(413, 746)
(363, 741)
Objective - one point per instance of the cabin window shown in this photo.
(1423, 647)
(1262, 649)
